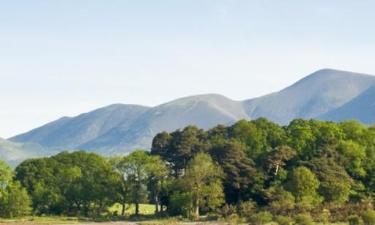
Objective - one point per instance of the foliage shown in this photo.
(250, 169)
(304, 219)
(368, 217)
(261, 218)
(304, 184)
(355, 220)
(203, 182)
(284, 220)
(76, 183)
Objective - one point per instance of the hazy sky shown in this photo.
(65, 57)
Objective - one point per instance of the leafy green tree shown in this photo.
(352, 156)
(304, 185)
(203, 181)
(253, 138)
(134, 169)
(241, 175)
(123, 196)
(301, 137)
(77, 183)
(179, 147)
(6, 175)
(278, 158)
(157, 174)
(280, 201)
(15, 202)
(335, 183)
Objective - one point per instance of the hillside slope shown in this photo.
(117, 129)
(311, 97)
(14, 153)
(204, 111)
(362, 108)
(68, 133)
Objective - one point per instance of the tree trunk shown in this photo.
(197, 212)
(137, 208)
(123, 209)
(156, 204)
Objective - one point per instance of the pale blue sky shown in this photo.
(65, 57)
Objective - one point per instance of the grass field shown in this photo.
(144, 209)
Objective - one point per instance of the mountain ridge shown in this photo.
(120, 128)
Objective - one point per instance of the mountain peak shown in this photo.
(119, 128)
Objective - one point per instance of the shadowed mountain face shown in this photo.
(317, 94)
(118, 129)
(362, 108)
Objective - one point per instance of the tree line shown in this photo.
(252, 170)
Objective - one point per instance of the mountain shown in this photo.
(361, 108)
(14, 153)
(311, 97)
(117, 129)
(204, 111)
(70, 132)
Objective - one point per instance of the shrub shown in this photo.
(227, 210)
(304, 219)
(284, 220)
(245, 209)
(368, 217)
(180, 204)
(355, 220)
(261, 218)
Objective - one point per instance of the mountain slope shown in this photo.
(362, 108)
(316, 94)
(68, 133)
(204, 111)
(14, 153)
(118, 129)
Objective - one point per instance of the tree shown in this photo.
(157, 173)
(335, 183)
(352, 156)
(134, 170)
(6, 175)
(203, 181)
(179, 147)
(304, 185)
(123, 185)
(77, 183)
(253, 138)
(280, 201)
(241, 176)
(278, 158)
(15, 202)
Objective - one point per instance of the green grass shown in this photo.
(45, 220)
(145, 209)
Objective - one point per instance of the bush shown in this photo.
(245, 209)
(180, 204)
(261, 218)
(355, 220)
(284, 220)
(304, 219)
(368, 217)
(227, 210)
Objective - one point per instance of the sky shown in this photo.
(65, 57)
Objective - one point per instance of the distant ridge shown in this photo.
(118, 129)
(310, 97)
